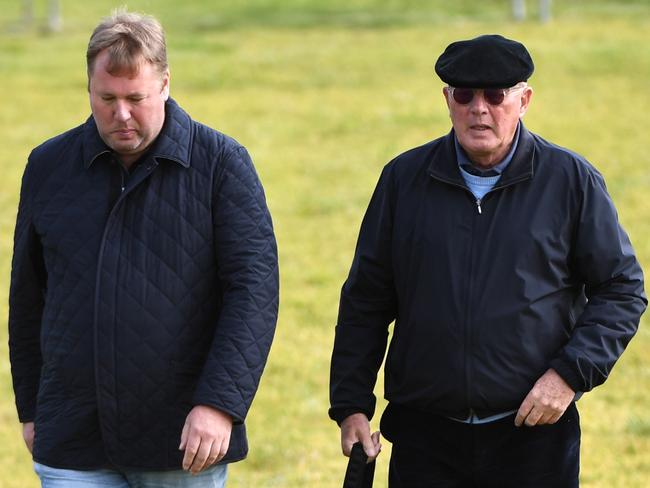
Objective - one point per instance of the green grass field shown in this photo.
(324, 93)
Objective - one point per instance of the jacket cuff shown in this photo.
(341, 413)
(568, 374)
(26, 406)
(236, 417)
(26, 419)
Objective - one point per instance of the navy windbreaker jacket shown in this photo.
(486, 295)
(134, 300)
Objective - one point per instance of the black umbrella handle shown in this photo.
(360, 472)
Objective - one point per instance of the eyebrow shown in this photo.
(128, 95)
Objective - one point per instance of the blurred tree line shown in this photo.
(54, 16)
(519, 10)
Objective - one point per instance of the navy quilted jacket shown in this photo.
(133, 300)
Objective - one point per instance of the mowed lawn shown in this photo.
(324, 94)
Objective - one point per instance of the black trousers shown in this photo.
(431, 451)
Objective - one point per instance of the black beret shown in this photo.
(489, 61)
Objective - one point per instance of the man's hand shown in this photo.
(28, 435)
(205, 437)
(356, 428)
(546, 402)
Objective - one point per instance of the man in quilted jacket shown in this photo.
(144, 283)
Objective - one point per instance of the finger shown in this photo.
(215, 454)
(348, 441)
(28, 435)
(346, 446)
(352, 438)
(369, 447)
(201, 456)
(183, 437)
(218, 451)
(29, 442)
(544, 419)
(533, 417)
(552, 417)
(223, 450)
(376, 441)
(192, 447)
(523, 412)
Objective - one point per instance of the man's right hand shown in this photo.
(28, 435)
(356, 428)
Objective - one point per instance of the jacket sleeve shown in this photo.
(603, 259)
(26, 302)
(247, 261)
(367, 307)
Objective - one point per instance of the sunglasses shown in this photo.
(493, 96)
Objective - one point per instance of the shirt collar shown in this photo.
(173, 143)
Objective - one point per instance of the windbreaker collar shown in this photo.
(444, 164)
(174, 142)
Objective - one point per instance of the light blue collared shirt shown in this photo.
(480, 185)
(472, 418)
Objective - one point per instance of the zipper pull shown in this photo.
(478, 205)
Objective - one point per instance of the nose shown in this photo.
(122, 111)
(478, 103)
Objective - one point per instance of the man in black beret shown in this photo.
(512, 285)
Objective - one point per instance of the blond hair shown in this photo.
(130, 39)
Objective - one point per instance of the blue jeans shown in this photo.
(214, 477)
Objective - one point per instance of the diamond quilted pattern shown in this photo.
(156, 300)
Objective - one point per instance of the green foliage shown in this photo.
(324, 93)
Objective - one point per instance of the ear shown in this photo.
(165, 85)
(445, 93)
(526, 96)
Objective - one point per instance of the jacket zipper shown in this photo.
(468, 317)
(100, 262)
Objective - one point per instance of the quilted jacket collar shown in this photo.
(174, 142)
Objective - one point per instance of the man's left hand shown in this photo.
(205, 438)
(546, 402)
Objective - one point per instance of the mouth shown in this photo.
(480, 127)
(123, 132)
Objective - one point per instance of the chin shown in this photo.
(480, 149)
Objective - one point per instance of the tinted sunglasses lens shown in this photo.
(494, 96)
(463, 95)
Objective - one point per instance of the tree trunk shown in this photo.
(519, 10)
(28, 13)
(544, 10)
(54, 18)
